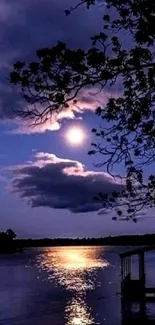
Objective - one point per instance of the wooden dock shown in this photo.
(135, 290)
(131, 288)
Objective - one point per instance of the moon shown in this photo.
(75, 136)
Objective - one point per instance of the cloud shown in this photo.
(28, 25)
(50, 181)
(86, 101)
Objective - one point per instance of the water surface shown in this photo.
(62, 286)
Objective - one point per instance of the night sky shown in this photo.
(47, 183)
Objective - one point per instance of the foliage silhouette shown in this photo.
(11, 234)
(7, 244)
(59, 73)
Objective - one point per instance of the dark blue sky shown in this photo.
(53, 196)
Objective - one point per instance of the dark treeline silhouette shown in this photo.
(127, 240)
(8, 244)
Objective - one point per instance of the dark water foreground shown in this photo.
(64, 286)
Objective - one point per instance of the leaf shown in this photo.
(93, 130)
(67, 12)
(119, 212)
(91, 152)
(14, 77)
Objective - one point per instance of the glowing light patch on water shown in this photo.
(75, 269)
(78, 313)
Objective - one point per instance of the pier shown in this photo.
(134, 292)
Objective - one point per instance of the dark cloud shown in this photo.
(61, 184)
(10, 101)
(34, 24)
(31, 24)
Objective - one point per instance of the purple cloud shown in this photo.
(86, 101)
(28, 25)
(59, 183)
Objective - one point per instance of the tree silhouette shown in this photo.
(11, 233)
(7, 241)
(59, 73)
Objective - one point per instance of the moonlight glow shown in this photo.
(75, 136)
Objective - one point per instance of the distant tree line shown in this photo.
(127, 240)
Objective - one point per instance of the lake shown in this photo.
(63, 286)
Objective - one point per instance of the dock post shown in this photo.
(142, 268)
(142, 274)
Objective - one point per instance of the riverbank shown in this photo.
(126, 240)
